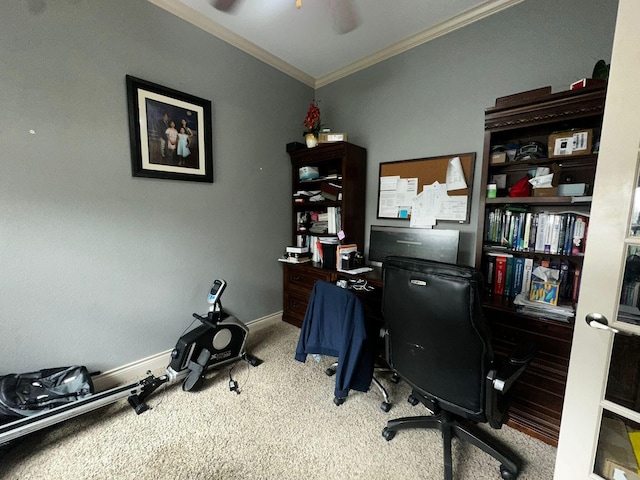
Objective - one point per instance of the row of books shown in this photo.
(510, 276)
(309, 248)
(561, 233)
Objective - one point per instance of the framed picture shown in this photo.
(170, 133)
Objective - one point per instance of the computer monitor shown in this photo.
(429, 244)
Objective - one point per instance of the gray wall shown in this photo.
(100, 268)
(430, 101)
(103, 269)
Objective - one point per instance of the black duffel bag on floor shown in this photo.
(26, 394)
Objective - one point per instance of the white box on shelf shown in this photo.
(308, 173)
(572, 189)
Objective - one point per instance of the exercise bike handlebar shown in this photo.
(200, 317)
(211, 319)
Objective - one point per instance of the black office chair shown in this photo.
(335, 325)
(440, 345)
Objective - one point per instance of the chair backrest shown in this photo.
(438, 340)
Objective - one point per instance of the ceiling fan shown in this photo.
(343, 12)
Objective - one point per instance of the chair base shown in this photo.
(451, 426)
(385, 406)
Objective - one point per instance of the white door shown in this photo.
(602, 407)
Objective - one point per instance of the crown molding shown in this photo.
(470, 16)
(201, 21)
(194, 17)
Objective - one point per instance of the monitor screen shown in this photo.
(429, 244)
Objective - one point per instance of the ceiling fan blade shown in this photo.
(345, 15)
(225, 5)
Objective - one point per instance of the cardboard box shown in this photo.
(571, 143)
(544, 292)
(615, 451)
(545, 192)
(498, 157)
(330, 137)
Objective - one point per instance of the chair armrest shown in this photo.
(499, 380)
(515, 364)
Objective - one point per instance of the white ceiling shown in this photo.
(304, 43)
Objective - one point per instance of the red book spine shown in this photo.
(500, 275)
(576, 284)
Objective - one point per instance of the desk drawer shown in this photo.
(295, 307)
(298, 284)
(304, 279)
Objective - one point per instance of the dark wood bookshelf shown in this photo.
(533, 116)
(342, 163)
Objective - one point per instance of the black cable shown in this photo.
(233, 384)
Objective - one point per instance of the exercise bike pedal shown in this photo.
(196, 370)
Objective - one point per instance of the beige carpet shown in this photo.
(283, 425)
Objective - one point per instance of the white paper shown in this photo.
(420, 217)
(541, 181)
(389, 183)
(619, 474)
(452, 208)
(396, 196)
(563, 146)
(406, 191)
(455, 175)
(387, 206)
(441, 206)
(580, 141)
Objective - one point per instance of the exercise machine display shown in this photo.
(219, 340)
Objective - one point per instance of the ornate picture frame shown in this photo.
(170, 133)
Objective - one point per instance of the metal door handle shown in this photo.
(600, 322)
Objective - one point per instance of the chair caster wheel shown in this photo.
(385, 406)
(338, 401)
(330, 372)
(395, 378)
(388, 434)
(506, 474)
(412, 400)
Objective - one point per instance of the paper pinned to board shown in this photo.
(440, 205)
(387, 204)
(421, 216)
(455, 175)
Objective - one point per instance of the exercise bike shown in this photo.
(218, 341)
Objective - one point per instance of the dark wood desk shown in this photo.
(299, 281)
(536, 402)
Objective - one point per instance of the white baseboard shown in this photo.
(157, 363)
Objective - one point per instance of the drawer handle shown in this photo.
(295, 277)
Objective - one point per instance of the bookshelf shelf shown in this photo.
(586, 200)
(516, 120)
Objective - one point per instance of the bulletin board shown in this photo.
(410, 197)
